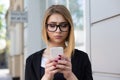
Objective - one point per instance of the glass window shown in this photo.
(76, 9)
(51, 2)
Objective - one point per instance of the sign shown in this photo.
(18, 17)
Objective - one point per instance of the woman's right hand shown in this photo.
(50, 70)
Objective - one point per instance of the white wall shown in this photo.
(104, 29)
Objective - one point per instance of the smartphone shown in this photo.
(55, 51)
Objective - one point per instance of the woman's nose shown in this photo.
(58, 29)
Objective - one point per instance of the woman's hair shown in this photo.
(62, 10)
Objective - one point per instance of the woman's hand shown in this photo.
(64, 65)
(50, 70)
(61, 64)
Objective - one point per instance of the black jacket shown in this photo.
(81, 66)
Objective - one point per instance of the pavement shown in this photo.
(4, 74)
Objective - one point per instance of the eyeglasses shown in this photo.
(52, 27)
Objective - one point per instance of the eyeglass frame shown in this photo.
(58, 26)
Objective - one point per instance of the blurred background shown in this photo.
(97, 25)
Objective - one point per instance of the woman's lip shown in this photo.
(58, 37)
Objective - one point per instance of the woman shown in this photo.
(58, 31)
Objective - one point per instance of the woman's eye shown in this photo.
(63, 25)
(52, 25)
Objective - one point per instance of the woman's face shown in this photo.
(57, 29)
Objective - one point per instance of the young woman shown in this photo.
(58, 31)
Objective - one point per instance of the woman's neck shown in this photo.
(56, 45)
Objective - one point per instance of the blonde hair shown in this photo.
(62, 10)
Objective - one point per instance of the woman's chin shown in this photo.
(59, 41)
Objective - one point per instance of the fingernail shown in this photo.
(59, 58)
(55, 60)
(59, 55)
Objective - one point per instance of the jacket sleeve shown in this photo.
(81, 65)
(88, 69)
(29, 71)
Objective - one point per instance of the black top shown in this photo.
(81, 66)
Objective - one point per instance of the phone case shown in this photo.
(55, 51)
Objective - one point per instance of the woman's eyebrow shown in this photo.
(53, 22)
(58, 22)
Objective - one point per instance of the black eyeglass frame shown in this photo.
(58, 26)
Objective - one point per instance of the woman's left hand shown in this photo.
(64, 65)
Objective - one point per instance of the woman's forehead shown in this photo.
(56, 18)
